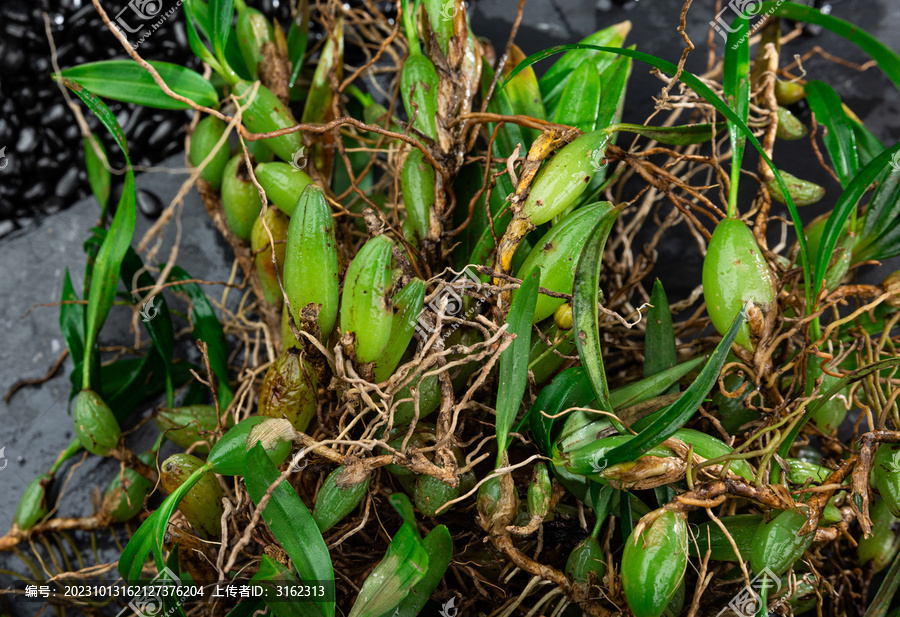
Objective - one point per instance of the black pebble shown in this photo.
(57, 116)
(149, 203)
(66, 185)
(36, 191)
(162, 133)
(27, 141)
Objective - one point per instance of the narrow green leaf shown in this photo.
(99, 108)
(846, 203)
(846, 380)
(653, 386)
(439, 546)
(685, 135)
(880, 235)
(585, 307)
(839, 137)
(736, 84)
(882, 601)
(554, 81)
(514, 359)
(154, 314)
(613, 85)
(681, 410)
(222, 17)
(247, 608)
(207, 329)
(71, 320)
(127, 81)
(887, 59)
(233, 56)
(298, 38)
(403, 566)
(627, 520)
(659, 338)
(501, 102)
(566, 390)
(98, 174)
(105, 272)
(318, 101)
(869, 145)
(270, 571)
(196, 43)
(579, 104)
(149, 536)
(291, 522)
(704, 91)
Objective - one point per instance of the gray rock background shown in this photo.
(36, 424)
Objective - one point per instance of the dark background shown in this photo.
(41, 234)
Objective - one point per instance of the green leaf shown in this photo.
(665, 425)
(659, 338)
(298, 38)
(291, 523)
(318, 101)
(439, 546)
(270, 571)
(844, 207)
(196, 43)
(103, 113)
(613, 85)
(685, 135)
(887, 59)
(704, 91)
(127, 81)
(501, 102)
(403, 566)
(571, 388)
(71, 320)
(155, 313)
(585, 311)
(149, 536)
(653, 386)
(98, 174)
(105, 273)
(207, 329)
(554, 81)
(736, 84)
(234, 58)
(222, 17)
(880, 235)
(839, 137)
(882, 601)
(579, 104)
(869, 145)
(846, 380)
(514, 359)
